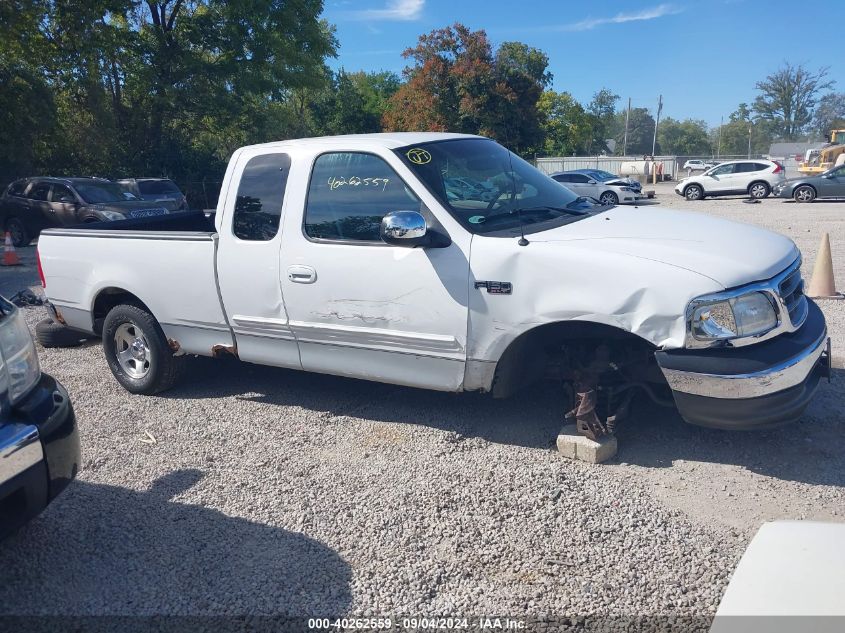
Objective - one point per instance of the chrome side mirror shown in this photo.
(404, 228)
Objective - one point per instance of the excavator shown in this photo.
(826, 158)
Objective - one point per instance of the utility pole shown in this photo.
(625, 141)
(749, 140)
(656, 123)
(719, 147)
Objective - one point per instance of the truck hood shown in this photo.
(729, 253)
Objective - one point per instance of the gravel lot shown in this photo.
(270, 491)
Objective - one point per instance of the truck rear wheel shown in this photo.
(137, 351)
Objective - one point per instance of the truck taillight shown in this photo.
(40, 270)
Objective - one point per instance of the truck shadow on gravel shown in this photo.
(103, 549)
(531, 419)
(810, 451)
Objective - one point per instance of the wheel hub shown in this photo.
(139, 349)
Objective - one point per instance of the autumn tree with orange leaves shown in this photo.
(457, 84)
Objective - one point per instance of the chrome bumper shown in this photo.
(20, 448)
(779, 377)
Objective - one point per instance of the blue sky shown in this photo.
(704, 56)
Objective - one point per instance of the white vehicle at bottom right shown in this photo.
(754, 178)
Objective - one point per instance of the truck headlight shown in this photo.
(747, 315)
(19, 368)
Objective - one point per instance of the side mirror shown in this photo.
(404, 228)
(408, 228)
(591, 182)
(67, 200)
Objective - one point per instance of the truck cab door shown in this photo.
(360, 307)
(253, 202)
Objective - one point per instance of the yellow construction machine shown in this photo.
(827, 155)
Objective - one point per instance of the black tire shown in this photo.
(149, 357)
(804, 193)
(759, 190)
(51, 333)
(693, 193)
(20, 234)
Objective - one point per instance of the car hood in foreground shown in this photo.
(729, 253)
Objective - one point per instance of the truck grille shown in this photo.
(791, 291)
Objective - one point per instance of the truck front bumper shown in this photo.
(755, 387)
(39, 453)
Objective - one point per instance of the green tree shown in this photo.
(567, 128)
(603, 109)
(353, 103)
(683, 138)
(787, 99)
(829, 114)
(456, 83)
(640, 131)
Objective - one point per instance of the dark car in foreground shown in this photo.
(161, 190)
(30, 205)
(830, 184)
(39, 442)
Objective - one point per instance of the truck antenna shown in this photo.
(522, 241)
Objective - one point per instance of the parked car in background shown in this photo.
(695, 164)
(830, 184)
(601, 185)
(30, 205)
(39, 442)
(161, 190)
(463, 189)
(754, 178)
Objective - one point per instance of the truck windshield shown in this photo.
(487, 188)
(98, 193)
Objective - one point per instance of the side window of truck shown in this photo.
(349, 194)
(258, 206)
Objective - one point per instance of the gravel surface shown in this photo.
(267, 491)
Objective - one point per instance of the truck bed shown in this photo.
(166, 262)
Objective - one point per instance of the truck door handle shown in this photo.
(302, 274)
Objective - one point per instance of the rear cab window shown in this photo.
(261, 193)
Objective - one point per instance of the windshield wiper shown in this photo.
(581, 199)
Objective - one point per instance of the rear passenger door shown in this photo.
(38, 206)
(248, 259)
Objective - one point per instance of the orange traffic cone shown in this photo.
(822, 285)
(10, 257)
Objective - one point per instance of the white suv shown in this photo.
(755, 178)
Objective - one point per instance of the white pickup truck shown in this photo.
(353, 256)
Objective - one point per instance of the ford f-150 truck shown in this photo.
(347, 255)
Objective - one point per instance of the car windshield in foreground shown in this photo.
(105, 192)
(487, 188)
